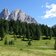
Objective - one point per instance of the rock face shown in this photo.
(4, 14)
(16, 15)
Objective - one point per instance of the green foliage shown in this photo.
(11, 42)
(8, 42)
(29, 43)
(55, 44)
(54, 30)
(50, 33)
(14, 36)
(1, 32)
(5, 41)
(27, 30)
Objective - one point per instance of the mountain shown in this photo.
(4, 14)
(17, 15)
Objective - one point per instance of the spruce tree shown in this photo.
(50, 33)
(55, 44)
(1, 32)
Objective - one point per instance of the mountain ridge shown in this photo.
(16, 15)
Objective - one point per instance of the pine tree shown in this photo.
(28, 32)
(1, 32)
(55, 44)
(50, 33)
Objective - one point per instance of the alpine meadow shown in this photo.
(21, 34)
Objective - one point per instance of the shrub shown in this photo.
(8, 42)
(11, 42)
(5, 41)
(55, 44)
(45, 38)
(29, 43)
(21, 49)
(14, 36)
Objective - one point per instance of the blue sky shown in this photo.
(44, 11)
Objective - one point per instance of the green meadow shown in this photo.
(21, 48)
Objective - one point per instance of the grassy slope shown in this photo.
(38, 48)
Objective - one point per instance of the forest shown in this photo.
(26, 30)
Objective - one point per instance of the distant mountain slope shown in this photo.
(17, 15)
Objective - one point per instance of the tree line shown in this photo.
(26, 30)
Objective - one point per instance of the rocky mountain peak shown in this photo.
(4, 14)
(17, 15)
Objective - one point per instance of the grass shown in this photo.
(38, 48)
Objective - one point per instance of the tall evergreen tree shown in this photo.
(28, 33)
(1, 31)
(50, 33)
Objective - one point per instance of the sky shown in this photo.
(44, 11)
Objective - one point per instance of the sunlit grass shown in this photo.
(21, 48)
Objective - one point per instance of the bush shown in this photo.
(11, 42)
(45, 38)
(21, 49)
(14, 36)
(55, 44)
(5, 42)
(29, 43)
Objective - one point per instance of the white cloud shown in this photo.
(50, 11)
